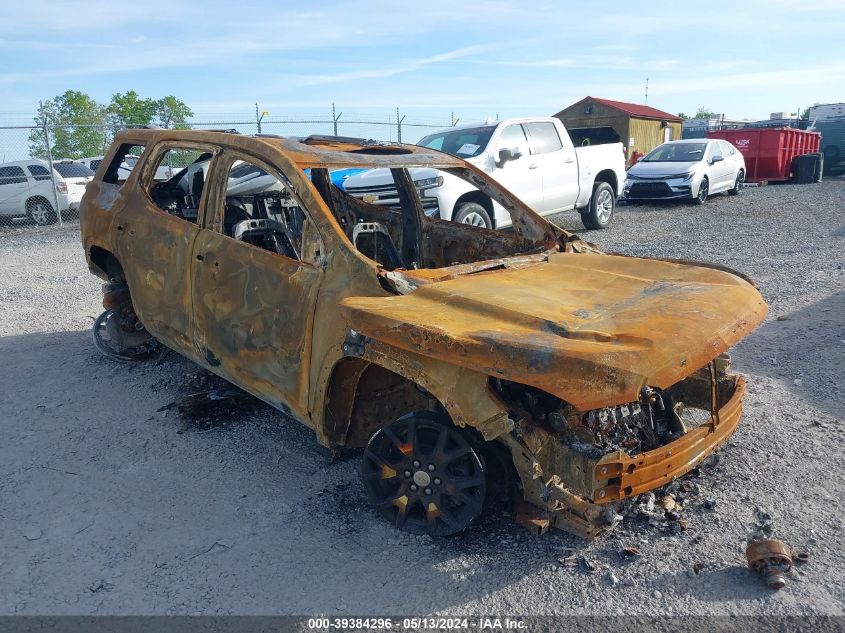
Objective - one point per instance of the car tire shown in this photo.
(424, 475)
(739, 183)
(473, 214)
(703, 192)
(599, 212)
(41, 211)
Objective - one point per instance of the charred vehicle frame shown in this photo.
(453, 355)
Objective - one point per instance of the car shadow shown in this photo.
(97, 453)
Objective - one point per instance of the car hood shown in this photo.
(661, 168)
(592, 329)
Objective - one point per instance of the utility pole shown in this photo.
(50, 162)
(646, 90)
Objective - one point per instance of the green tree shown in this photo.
(683, 116)
(129, 109)
(704, 113)
(75, 124)
(172, 113)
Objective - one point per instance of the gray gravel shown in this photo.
(110, 502)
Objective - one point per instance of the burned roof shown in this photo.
(310, 152)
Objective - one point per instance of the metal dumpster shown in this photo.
(769, 152)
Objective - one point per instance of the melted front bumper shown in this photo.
(571, 491)
(620, 476)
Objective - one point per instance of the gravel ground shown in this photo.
(113, 503)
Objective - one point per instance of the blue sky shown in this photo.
(430, 58)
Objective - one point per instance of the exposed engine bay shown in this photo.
(657, 418)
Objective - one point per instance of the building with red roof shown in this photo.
(638, 127)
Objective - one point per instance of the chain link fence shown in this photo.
(42, 182)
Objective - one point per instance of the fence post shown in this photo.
(334, 119)
(399, 126)
(52, 171)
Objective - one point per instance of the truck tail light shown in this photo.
(61, 186)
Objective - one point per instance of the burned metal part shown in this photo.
(117, 343)
(353, 344)
(770, 558)
(118, 333)
(532, 518)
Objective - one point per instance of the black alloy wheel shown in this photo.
(423, 475)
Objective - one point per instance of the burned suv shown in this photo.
(457, 357)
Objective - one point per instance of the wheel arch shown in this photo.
(31, 199)
(608, 176)
(364, 394)
(104, 263)
(479, 197)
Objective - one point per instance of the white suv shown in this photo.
(26, 188)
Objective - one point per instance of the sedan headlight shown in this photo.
(428, 183)
(686, 176)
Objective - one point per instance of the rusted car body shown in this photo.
(597, 376)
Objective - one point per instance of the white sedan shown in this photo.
(692, 168)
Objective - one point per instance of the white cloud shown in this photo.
(388, 71)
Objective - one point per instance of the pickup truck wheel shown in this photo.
(423, 475)
(703, 191)
(40, 211)
(599, 212)
(473, 214)
(738, 184)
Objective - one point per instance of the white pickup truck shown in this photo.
(533, 158)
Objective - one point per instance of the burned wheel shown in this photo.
(123, 341)
(423, 475)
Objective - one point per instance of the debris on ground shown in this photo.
(211, 402)
(770, 558)
(569, 559)
(590, 566)
(763, 525)
(668, 503)
(665, 510)
(100, 585)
